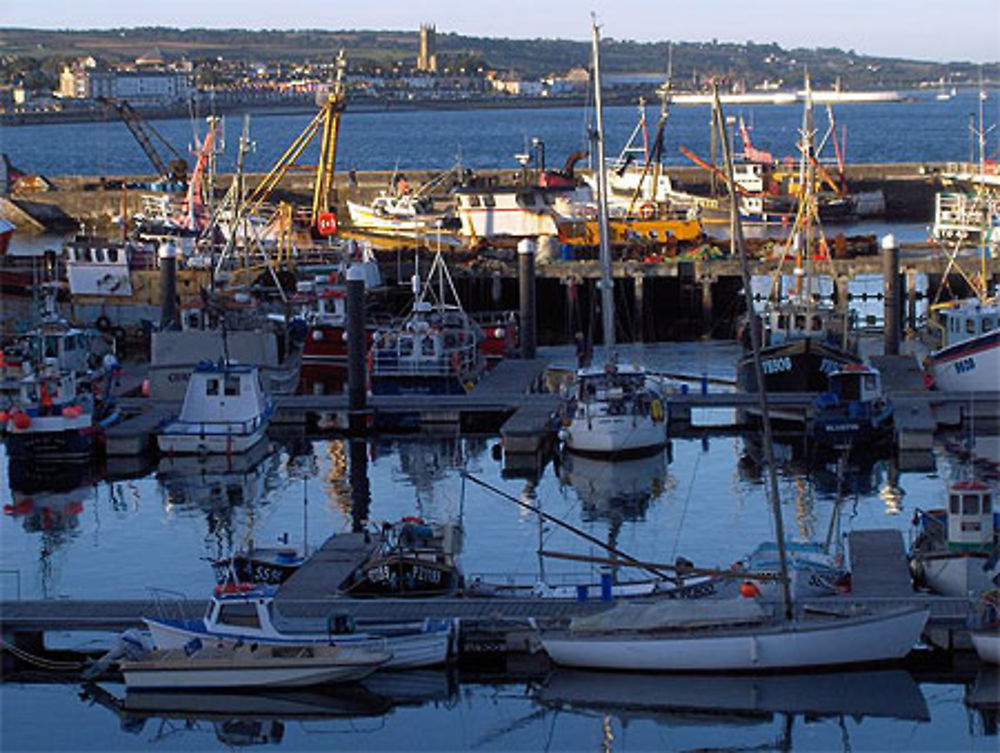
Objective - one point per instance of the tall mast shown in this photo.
(739, 246)
(607, 285)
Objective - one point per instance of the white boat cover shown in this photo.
(670, 614)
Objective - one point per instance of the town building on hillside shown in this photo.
(427, 57)
(149, 81)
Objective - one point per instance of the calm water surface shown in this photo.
(911, 131)
(116, 536)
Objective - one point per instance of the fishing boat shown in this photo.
(969, 359)
(612, 409)
(854, 411)
(414, 559)
(955, 550)
(225, 411)
(721, 635)
(435, 350)
(804, 337)
(245, 613)
(250, 666)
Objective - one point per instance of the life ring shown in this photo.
(103, 323)
(647, 210)
(928, 380)
(656, 410)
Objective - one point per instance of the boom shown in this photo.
(176, 169)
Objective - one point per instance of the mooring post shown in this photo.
(526, 279)
(911, 300)
(640, 309)
(706, 307)
(357, 388)
(890, 281)
(168, 286)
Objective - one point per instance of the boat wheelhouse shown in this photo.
(225, 411)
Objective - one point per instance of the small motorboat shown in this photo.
(250, 665)
(225, 411)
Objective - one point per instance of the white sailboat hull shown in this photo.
(788, 646)
(987, 645)
(610, 435)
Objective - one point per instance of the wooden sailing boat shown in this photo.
(613, 409)
(733, 635)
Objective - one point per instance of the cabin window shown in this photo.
(970, 504)
(870, 382)
(406, 346)
(113, 255)
(50, 347)
(987, 504)
(970, 326)
(232, 386)
(212, 387)
(817, 324)
(800, 322)
(953, 507)
(782, 321)
(987, 323)
(473, 201)
(489, 201)
(527, 199)
(239, 615)
(427, 346)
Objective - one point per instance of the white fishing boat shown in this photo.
(612, 409)
(225, 411)
(955, 551)
(406, 213)
(718, 635)
(246, 614)
(250, 666)
(969, 360)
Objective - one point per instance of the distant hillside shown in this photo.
(532, 58)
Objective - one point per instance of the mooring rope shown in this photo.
(40, 661)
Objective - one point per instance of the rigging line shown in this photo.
(573, 529)
(687, 500)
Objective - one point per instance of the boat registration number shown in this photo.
(965, 365)
(776, 365)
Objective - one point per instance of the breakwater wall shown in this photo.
(94, 200)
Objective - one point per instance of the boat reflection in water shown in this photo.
(752, 699)
(218, 487)
(238, 718)
(615, 490)
(48, 498)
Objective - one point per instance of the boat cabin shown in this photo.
(223, 394)
(965, 320)
(797, 320)
(970, 516)
(856, 383)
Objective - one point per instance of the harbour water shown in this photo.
(115, 532)
(920, 129)
(117, 535)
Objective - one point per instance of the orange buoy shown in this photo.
(21, 420)
(749, 589)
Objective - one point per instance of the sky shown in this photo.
(960, 30)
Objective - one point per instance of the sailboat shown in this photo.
(612, 409)
(726, 634)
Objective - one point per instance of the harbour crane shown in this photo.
(175, 169)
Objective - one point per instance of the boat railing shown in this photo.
(171, 605)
